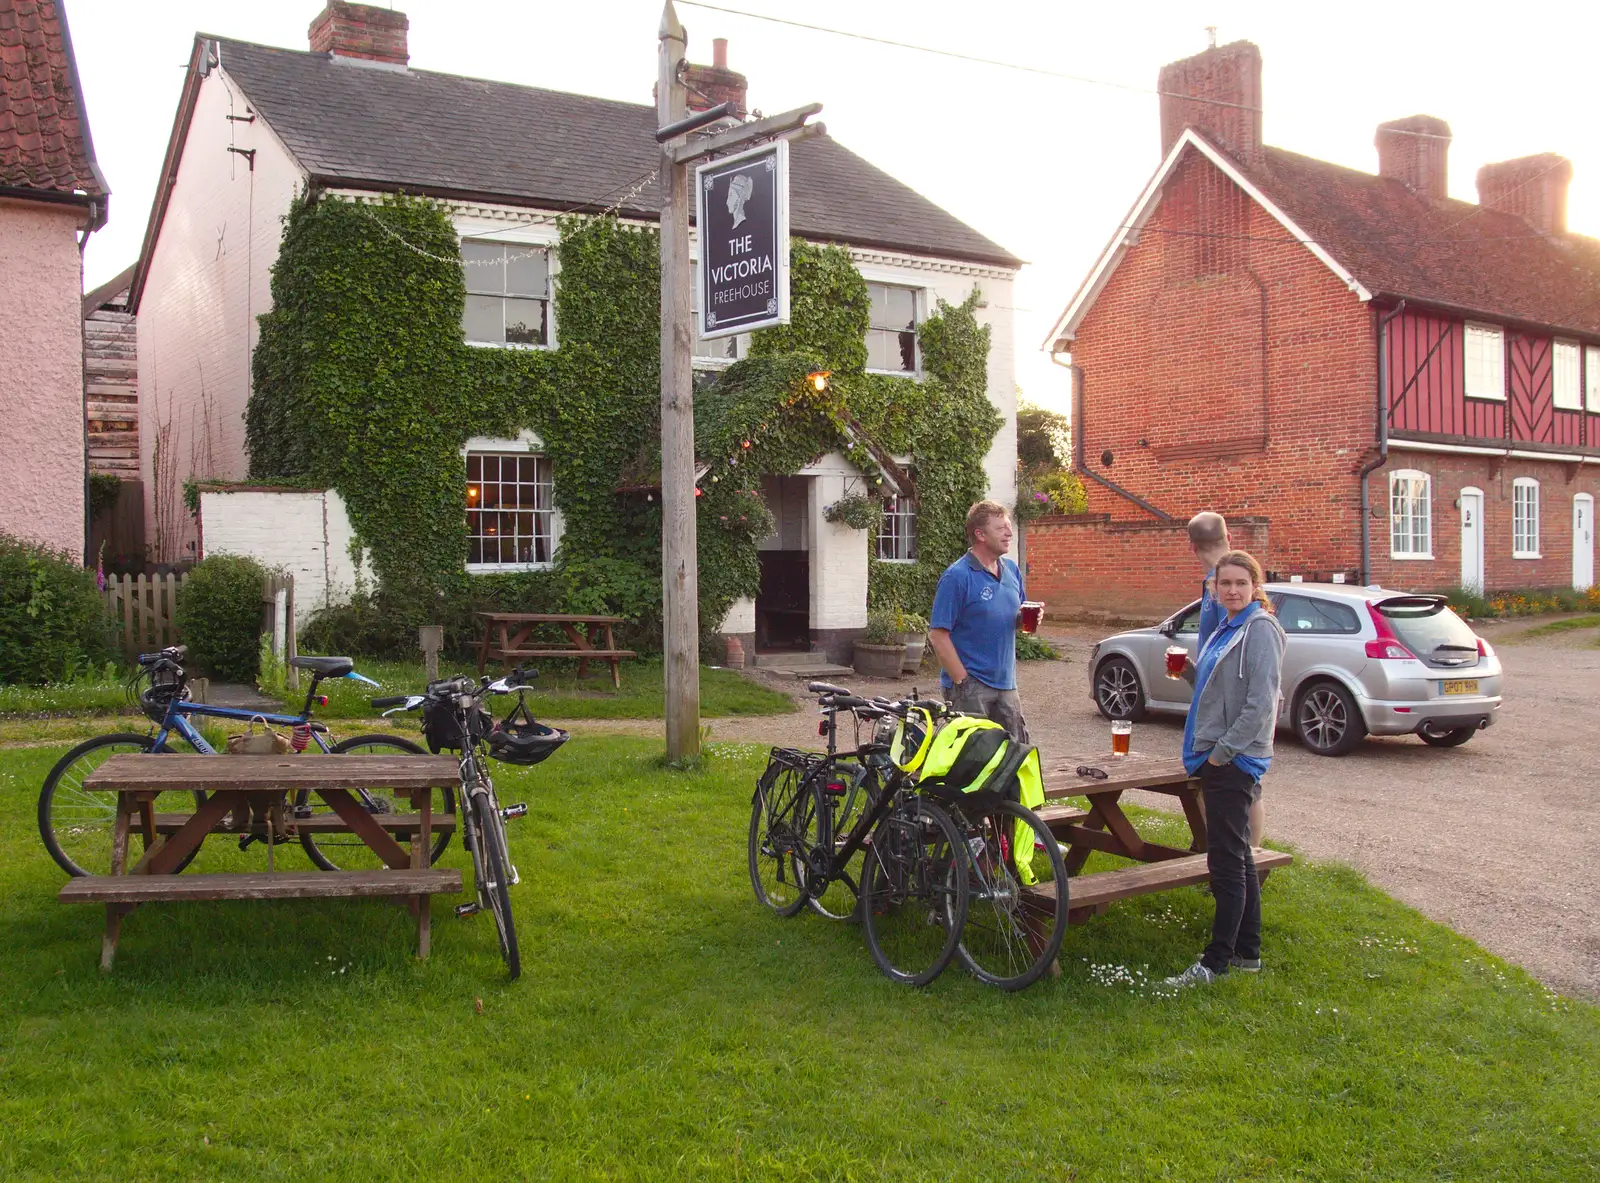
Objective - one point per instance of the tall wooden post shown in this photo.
(679, 558)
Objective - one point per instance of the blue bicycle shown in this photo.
(76, 825)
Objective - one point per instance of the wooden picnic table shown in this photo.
(258, 786)
(505, 638)
(1105, 827)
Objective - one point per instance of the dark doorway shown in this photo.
(783, 605)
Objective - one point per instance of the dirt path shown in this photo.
(1499, 839)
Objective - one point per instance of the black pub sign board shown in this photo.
(742, 214)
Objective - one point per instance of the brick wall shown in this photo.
(1233, 373)
(1089, 565)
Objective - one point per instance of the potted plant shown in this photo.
(912, 631)
(879, 651)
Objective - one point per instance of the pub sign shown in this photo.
(742, 214)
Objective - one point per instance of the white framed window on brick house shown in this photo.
(717, 349)
(897, 537)
(1410, 514)
(1485, 362)
(1591, 377)
(508, 294)
(1525, 518)
(1565, 385)
(892, 328)
(512, 520)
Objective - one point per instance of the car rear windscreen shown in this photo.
(1431, 631)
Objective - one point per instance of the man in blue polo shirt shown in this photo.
(974, 625)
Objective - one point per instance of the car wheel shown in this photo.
(1327, 721)
(1117, 691)
(1450, 739)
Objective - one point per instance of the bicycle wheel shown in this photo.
(845, 791)
(914, 894)
(786, 814)
(1013, 934)
(493, 867)
(76, 825)
(340, 850)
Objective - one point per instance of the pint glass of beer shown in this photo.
(1032, 613)
(1177, 655)
(1121, 736)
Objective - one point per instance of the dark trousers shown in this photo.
(1236, 931)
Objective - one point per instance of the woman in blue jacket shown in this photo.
(1227, 742)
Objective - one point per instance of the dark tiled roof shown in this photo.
(517, 144)
(44, 134)
(1444, 252)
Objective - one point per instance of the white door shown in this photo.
(1472, 539)
(1582, 541)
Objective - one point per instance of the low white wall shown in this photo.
(838, 552)
(741, 617)
(307, 534)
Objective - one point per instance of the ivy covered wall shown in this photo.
(363, 382)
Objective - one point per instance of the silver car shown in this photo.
(1359, 661)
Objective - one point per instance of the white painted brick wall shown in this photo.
(838, 553)
(306, 534)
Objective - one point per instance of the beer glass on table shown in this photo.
(1121, 736)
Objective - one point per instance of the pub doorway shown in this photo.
(783, 604)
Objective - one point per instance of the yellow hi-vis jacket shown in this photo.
(969, 755)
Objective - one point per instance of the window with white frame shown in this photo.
(1524, 518)
(1591, 376)
(1485, 362)
(892, 329)
(897, 537)
(512, 522)
(716, 348)
(508, 293)
(1410, 514)
(1564, 367)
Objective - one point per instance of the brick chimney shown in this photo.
(1230, 77)
(361, 31)
(1414, 151)
(713, 84)
(1534, 188)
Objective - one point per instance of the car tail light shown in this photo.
(1387, 646)
(1484, 648)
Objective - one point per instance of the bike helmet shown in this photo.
(519, 738)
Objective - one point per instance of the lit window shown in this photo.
(1485, 362)
(716, 348)
(508, 293)
(1524, 518)
(511, 518)
(897, 537)
(1410, 515)
(892, 329)
(1591, 376)
(1568, 394)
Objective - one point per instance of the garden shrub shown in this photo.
(219, 616)
(53, 625)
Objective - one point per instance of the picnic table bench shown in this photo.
(505, 638)
(1105, 827)
(257, 786)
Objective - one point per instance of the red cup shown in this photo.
(1177, 657)
(1032, 614)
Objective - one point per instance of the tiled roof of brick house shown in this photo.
(44, 133)
(1450, 253)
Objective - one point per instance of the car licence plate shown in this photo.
(1461, 686)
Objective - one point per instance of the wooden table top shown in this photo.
(141, 772)
(1136, 770)
(548, 618)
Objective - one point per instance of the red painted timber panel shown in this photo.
(1427, 383)
(1530, 384)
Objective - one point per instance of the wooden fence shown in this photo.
(145, 609)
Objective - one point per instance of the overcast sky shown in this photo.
(1044, 166)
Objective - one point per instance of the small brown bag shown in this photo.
(266, 742)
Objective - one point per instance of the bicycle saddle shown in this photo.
(324, 667)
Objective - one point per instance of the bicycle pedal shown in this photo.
(515, 878)
(514, 811)
(465, 910)
(302, 812)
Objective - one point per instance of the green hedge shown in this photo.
(53, 625)
(219, 616)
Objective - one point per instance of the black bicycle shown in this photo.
(912, 884)
(454, 718)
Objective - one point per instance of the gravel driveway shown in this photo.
(1499, 839)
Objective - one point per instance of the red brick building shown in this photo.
(1398, 387)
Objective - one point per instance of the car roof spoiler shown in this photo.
(1411, 605)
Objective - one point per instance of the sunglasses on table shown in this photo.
(1092, 773)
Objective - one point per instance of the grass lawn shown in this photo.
(666, 1027)
(1571, 624)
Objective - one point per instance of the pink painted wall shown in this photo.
(208, 278)
(41, 375)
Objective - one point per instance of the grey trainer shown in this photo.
(1249, 965)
